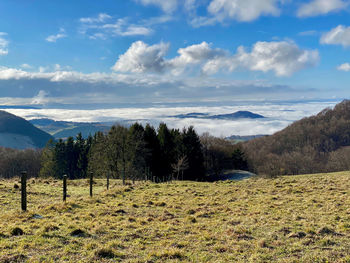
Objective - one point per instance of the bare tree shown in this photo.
(180, 166)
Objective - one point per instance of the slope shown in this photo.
(16, 132)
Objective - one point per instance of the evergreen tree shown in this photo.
(153, 154)
(194, 154)
(167, 150)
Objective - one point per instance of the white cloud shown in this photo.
(166, 5)
(321, 7)
(3, 44)
(339, 35)
(344, 67)
(41, 98)
(123, 28)
(243, 10)
(26, 66)
(59, 35)
(101, 18)
(283, 58)
(96, 28)
(141, 58)
(193, 55)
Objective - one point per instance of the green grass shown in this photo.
(289, 219)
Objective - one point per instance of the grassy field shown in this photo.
(290, 219)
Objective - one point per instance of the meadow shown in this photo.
(303, 218)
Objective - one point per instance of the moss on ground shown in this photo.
(302, 218)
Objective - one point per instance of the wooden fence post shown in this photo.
(108, 181)
(91, 182)
(64, 188)
(24, 190)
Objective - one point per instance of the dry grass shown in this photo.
(290, 219)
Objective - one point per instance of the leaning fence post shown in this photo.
(64, 188)
(91, 182)
(108, 181)
(24, 190)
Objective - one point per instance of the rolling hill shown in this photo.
(16, 132)
(65, 129)
(318, 143)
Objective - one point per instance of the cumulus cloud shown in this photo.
(321, 7)
(141, 57)
(3, 44)
(243, 10)
(339, 35)
(283, 58)
(344, 67)
(165, 5)
(59, 35)
(193, 55)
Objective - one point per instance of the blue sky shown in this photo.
(155, 51)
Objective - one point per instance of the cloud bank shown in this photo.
(282, 58)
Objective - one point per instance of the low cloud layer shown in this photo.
(279, 115)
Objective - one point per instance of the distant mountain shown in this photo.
(65, 129)
(238, 115)
(16, 132)
(231, 116)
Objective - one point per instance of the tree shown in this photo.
(136, 151)
(167, 150)
(180, 166)
(193, 151)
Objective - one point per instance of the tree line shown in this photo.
(138, 153)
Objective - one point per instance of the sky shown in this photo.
(63, 53)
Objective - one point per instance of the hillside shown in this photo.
(16, 132)
(65, 129)
(289, 219)
(316, 144)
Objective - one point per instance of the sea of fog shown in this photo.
(278, 115)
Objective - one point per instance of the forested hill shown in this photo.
(16, 132)
(315, 144)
